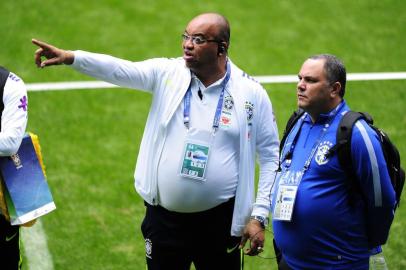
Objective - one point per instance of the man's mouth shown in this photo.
(301, 96)
(187, 56)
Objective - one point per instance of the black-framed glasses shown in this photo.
(198, 40)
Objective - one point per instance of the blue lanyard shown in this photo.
(289, 155)
(186, 102)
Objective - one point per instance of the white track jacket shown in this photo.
(168, 80)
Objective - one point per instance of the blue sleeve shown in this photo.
(375, 183)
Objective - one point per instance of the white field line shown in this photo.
(69, 85)
(350, 77)
(261, 79)
(36, 247)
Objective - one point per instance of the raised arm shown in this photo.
(137, 75)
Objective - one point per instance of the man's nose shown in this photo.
(188, 43)
(301, 85)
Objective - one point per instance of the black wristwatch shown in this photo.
(263, 220)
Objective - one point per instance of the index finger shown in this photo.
(244, 239)
(41, 44)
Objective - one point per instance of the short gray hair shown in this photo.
(335, 70)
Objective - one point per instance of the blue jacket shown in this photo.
(326, 231)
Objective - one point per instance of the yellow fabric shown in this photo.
(3, 205)
(37, 147)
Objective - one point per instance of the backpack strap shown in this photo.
(392, 158)
(343, 139)
(4, 73)
(343, 146)
(344, 136)
(289, 125)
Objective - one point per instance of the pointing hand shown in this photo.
(53, 55)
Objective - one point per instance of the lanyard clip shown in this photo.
(186, 121)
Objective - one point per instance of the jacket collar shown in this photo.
(326, 117)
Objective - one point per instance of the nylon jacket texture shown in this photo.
(14, 116)
(326, 231)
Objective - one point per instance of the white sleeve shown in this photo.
(268, 155)
(138, 75)
(15, 115)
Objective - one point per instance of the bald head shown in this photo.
(216, 22)
(205, 46)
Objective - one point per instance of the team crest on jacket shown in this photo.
(228, 103)
(322, 151)
(249, 108)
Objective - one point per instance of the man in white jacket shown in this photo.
(196, 165)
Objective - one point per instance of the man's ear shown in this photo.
(336, 89)
(222, 48)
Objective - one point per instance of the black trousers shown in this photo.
(175, 240)
(9, 245)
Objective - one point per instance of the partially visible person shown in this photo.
(318, 222)
(207, 124)
(14, 116)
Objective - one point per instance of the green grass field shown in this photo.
(90, 138)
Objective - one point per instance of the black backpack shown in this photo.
(343, 148)
(4, 73)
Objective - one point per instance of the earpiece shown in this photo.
(221, 49)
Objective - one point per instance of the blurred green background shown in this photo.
(90, 138)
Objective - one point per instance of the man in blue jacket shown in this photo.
(318, 223)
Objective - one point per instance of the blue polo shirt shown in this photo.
(326, 231)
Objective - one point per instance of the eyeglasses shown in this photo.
(198, 40)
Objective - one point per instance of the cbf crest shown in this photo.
(228, 103)
(148, 247)
(17, 161)
(322, 151)
(249, 108)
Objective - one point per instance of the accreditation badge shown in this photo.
(288, 184)
(195, 156)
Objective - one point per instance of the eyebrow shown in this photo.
(198, 34)
(308, 77)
